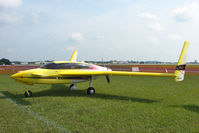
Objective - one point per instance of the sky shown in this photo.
(36, 30)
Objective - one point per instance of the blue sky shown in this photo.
(109, 29)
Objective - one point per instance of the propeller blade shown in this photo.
(108, 78)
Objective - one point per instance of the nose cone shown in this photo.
(16, 76)
(21, 76)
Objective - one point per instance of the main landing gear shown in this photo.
(28, 93)
(90, 90)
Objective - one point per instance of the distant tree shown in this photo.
(141, 62)
(31, 62)
(5, 61)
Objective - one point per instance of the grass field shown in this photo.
(127, 104)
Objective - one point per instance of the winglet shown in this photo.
(74, 56)
(180, 68)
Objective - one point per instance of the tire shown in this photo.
(28, 95)
(90, 91)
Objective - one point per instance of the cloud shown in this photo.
(10, 50)
(175, 36)
(77, 37)
(8, 15)
(100, 46)
(69, 48)
(155, 26)
(147, 15)
(187, 12)
(154, 39)
(10, 3)
(153, 23)
(34, 17)
(100, 36)
(7, 18)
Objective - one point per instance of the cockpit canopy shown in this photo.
(65, 66)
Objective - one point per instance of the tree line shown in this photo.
(4, 61)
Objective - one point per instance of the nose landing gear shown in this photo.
(28, 93)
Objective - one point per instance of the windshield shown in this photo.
(65, 66)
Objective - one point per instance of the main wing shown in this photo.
(102, 73)
(178, 74)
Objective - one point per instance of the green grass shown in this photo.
(127, 104)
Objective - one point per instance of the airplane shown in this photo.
(73, 72)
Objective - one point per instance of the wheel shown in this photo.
(28, 94)
(90, 91)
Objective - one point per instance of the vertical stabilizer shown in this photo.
(74, 56)
(180, 68)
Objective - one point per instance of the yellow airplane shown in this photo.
(72, 72)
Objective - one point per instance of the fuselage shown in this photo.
(49, 73)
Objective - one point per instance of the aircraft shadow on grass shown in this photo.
(190, 107)
(14, 98)
(62, 90)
